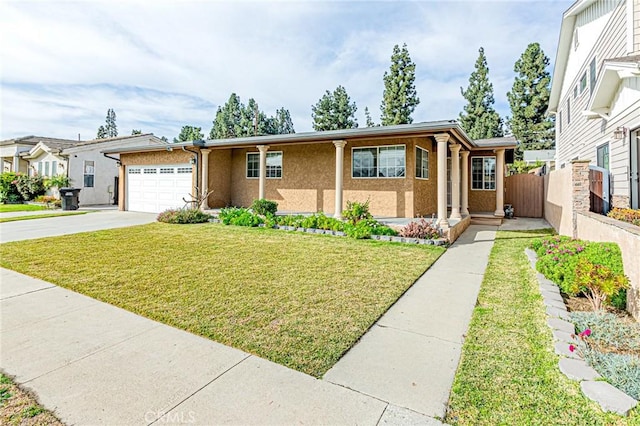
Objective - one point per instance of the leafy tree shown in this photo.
(136, 132)
(400, 97)
(334, 111)
(529, 100)
(367, 116)
(164, 139)
(189, 133)
(282, 123)
(479, 119)
(102, 133)
(111, 127)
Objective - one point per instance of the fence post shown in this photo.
(579, 191)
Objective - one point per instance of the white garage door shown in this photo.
(157, 188)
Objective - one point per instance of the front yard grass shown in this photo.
(508, 373)
(20, 207)
(297, 299)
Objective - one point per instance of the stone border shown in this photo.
(393, 239)
(571, 364)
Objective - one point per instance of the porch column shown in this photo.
(16, 163)
(339, 171)
(442, 139)
(499, 183)
(455, 180)
(464, 192)
(263, 170)
(204, 190)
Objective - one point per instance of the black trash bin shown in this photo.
(70, 198)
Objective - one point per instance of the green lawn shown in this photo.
(20, 207)
(300, 300)
(38, 216)
(509, 372)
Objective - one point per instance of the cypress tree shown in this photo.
(400, 97)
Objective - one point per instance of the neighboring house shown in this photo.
(595, 93)
(545, 156)
(401, 169)
(83, 162)
(12, 151)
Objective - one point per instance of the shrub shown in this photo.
(356, 212)
(608, 330)
(8, 190)
(57, 181)
(290, 220)
(183, 216)
(264, 207)
(420, 229)
(30, 186)
(366, 228)
(599, 282)
(239, 216)
(626, 215)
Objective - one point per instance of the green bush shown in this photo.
(290, 220)
(8, 190)
(239, 216)
(366, 228)
(598, 282)
(30, 187)
(183, 216)
(264, 207)
(57, 181)
(356, 212)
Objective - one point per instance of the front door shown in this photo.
(634, 173)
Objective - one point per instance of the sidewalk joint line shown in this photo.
(28, 292)
(382, 414)
(419, 334)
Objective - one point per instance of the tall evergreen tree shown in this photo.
(281, 123)
(189, 133)
(136, 132)
(111, 127)
(400, 97)
(227, 121)
(367, 116)
(479, 119)
(334, 111)
(102, 133)
(529, 100)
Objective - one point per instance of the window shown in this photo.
(89, 174)
(378, 162)
(134, 171)
(54, 168)
(568, 112)
(575, 92)
(46, 168)
(150, 171)
(185, 170)
(422, 163)
(592, 75)
(603, 156)
(274, 165)
(166, 170)
(583, 82)
(40, 168)
(483, 173)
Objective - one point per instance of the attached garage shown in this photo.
(155, 188)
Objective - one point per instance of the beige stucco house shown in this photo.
(13, 153)
(595, 93)
(409, 170)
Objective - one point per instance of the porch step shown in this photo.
(485, 219)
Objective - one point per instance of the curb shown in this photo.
(571, 364)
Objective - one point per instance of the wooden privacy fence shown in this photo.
(525, 192)
(599, 188)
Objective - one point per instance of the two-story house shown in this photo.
(595, 92)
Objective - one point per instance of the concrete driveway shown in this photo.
(63, 225)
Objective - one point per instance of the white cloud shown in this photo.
(165, 64)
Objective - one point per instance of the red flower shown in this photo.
(586, 333)
(572, 348)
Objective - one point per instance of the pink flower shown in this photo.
(586, 333)
(572, 348)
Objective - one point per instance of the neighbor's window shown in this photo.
(583, 82)
(54, 168)
(592, 75)
(89, 174)
(274, 165)
(603, 156)
(483, 173)
(46, 168)
(378, 162)
(422, 163)
(40, 168)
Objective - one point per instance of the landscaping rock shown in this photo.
(577, 369)
(562, 336)
(558, 313)
(549, 287)
(397, 239)
(562, 348)
(533, 258)
(555, 304)
(561, 325)
(385, 237)
(411, 240)
(609, 397)
(546, 295)
(544, 280)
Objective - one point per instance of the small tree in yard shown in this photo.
(598, 282)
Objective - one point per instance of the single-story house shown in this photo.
(12, 152)
(83, 163)
(411, 170)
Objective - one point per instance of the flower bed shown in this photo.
(626, 215)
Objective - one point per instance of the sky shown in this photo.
(163, 64)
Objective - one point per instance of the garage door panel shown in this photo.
(156, 188)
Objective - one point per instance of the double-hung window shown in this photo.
(89, 174)
(54, 168)
(422, 163)
(378, 162)
(602, 155)
(483, 173)
(274, 165)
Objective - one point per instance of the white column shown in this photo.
(204, 187)
(16, 163)
(499, 183)
(263, 170)
(442, 139)
(339, 172)
(464, 192)
(455, 181)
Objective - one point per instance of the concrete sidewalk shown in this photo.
(93, 363)
(410, 356)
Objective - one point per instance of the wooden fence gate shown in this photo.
(525, 192)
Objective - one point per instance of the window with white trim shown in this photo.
(483, 173)
(40, 168)
(185, 170)
(602, 156)
(54, 168)
(134, 171)
(422, 163)
(46, 168)
(166, 170)
(89, 174)
(583, 82)
(378, 162)
(150, 171)
(274, 165)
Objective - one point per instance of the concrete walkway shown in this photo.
(93, 363)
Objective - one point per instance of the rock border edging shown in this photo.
(571, 364)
